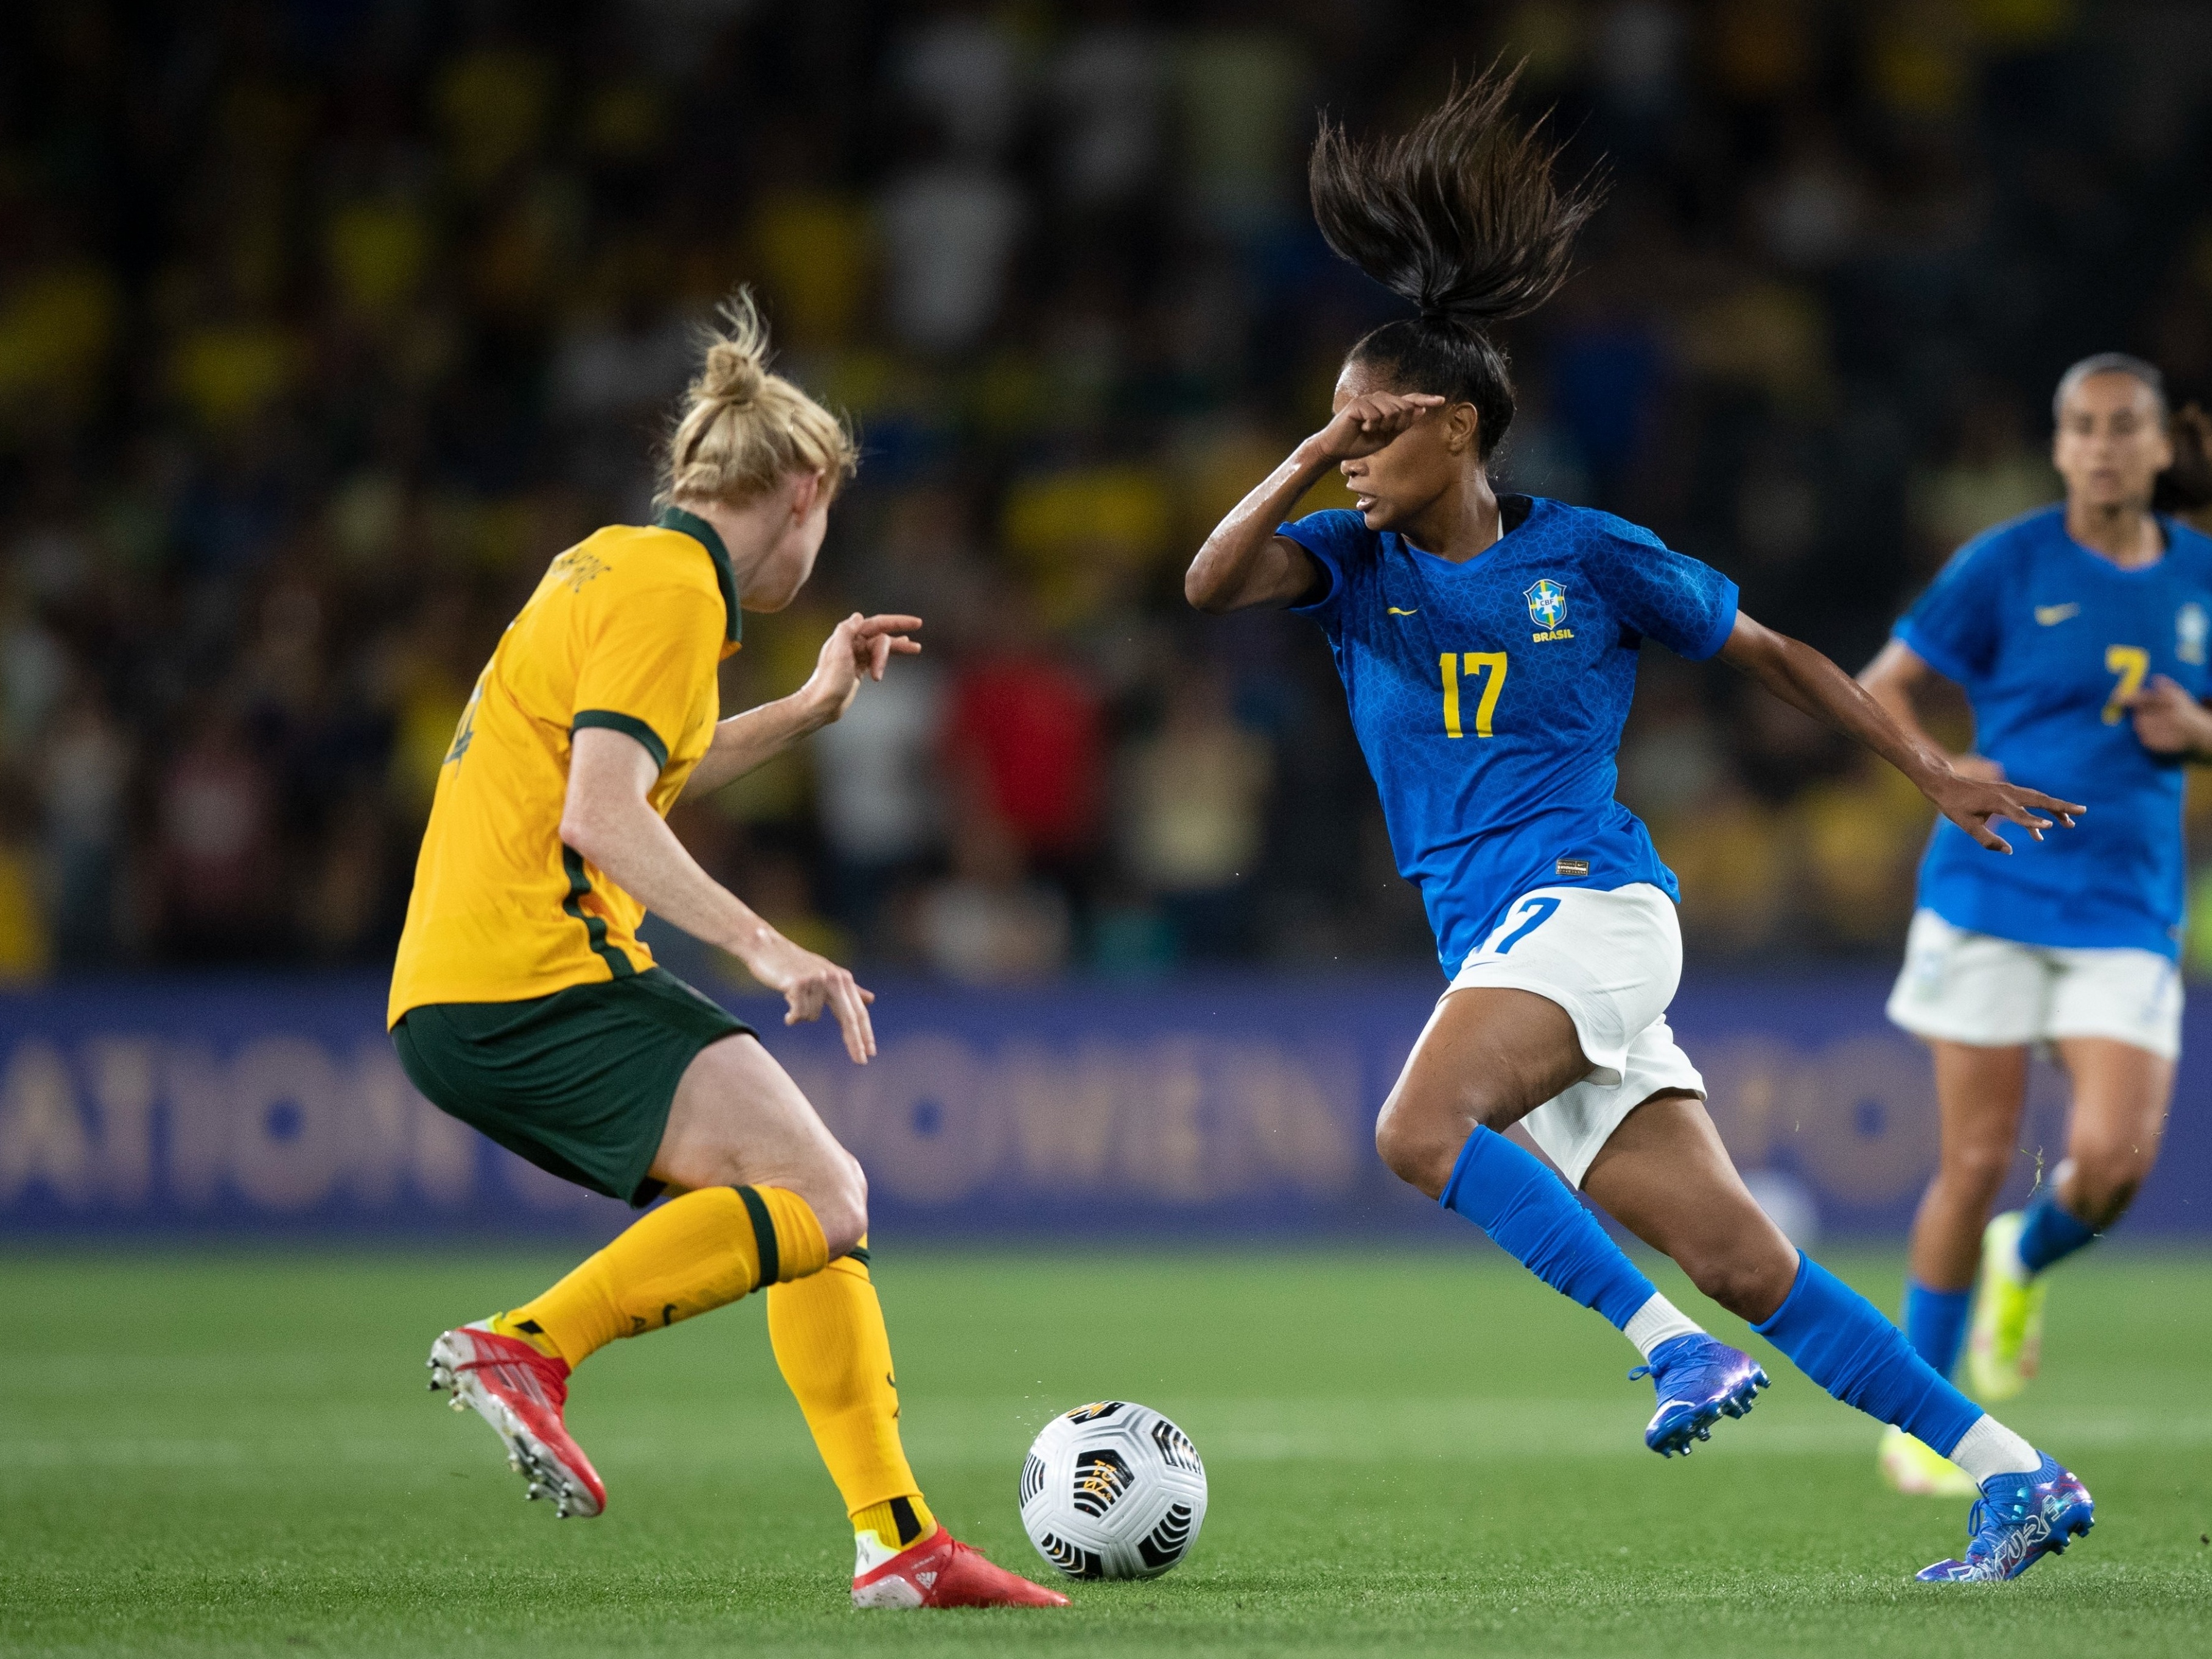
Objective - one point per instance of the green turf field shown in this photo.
(1407, 1453)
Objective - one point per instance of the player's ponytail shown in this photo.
(1461, 216)
(744, 428)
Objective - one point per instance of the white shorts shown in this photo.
(1612, 961)
(1998, 993)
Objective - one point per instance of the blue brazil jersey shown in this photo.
(2047, 639)
(1489, 696)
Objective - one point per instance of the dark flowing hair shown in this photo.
(1460, 215)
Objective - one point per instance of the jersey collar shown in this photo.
(691, 524)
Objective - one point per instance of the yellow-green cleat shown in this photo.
(1917, 1469)
(2006, 1350)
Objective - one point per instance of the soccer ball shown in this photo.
(1113, 1490)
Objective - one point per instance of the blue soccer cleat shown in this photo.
(2017, 1520)
(1700, 1381)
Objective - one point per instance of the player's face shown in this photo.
(775, 582)
(1397, 483)
(2111, 442)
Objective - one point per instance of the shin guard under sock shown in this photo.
(1531, 1215)
(1844, 1343)
(694, 1252)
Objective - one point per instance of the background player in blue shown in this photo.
(2080, 636)
(1488, 648)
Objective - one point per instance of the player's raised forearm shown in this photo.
(1809, 682)
(752, 739)
(1242, 563)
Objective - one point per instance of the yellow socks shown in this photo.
(830, 1340)
(691, 1255)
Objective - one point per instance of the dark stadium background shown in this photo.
(323, 326)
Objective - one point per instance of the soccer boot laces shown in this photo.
(2017, 1520)
(1914, 1467)
(941, 1571)
(520, 1392)
(2006, 1350)
(1699, 1380)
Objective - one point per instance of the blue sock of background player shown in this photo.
(1833, 1334)
(1935, 1320)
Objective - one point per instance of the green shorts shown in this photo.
(579, 1082)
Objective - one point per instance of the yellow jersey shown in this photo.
(625, 631)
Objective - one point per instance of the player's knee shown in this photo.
(1749, 1284)
(1976, 1170)
(2104, 1182)
(1415, 1149)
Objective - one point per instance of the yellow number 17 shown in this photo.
(2131, 663)
(1493, 682)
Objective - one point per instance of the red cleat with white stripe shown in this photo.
(941, 1571)
(521, 1392)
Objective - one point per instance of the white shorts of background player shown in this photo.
(1998, 993)
(1612, 959)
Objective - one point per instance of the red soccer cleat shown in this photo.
(941, 1571)
(521, 1392)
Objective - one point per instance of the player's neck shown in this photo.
(2123, 532)
(1460, 524)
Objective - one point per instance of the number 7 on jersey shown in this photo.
(1490, 666)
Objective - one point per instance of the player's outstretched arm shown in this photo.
(1244, 562)
(609, 820)
(1805, 679)
(860, 647)
(1897, 672)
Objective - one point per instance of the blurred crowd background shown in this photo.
(325, 324)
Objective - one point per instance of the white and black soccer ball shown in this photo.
(1113, 1490)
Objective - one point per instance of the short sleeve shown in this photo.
(1335, 539)
(647, 650)
(1952, 627)
(1682, 602)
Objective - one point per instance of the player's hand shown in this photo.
(1973, 803)
(858, 646)
(1366, 424)
(811, 983)
(2168, 721)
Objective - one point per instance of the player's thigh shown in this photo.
(1980, 1092)
(1487, 1058)
(1665, 1176)
(739, 1120)
(2121, 1097)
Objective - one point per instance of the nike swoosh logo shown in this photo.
(1395, 611)
(2051, 615)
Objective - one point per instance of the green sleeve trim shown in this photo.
(630, 726)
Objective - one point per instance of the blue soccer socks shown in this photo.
(1935, 1323)
(1535, 1218)
(2051, 1233)
(1843, 1342)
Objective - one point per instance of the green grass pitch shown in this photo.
(1408, 1453)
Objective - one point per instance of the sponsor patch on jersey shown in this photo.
(2051, 615)
(1548, 605)
(1572, 867)
(2189, 626)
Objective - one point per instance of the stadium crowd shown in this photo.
(323, 326)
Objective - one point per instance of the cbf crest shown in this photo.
(2191, 625)
(1547, 609)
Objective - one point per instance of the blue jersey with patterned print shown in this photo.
(2048, 639)
(1489, 695)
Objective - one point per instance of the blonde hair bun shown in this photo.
(743, 429)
